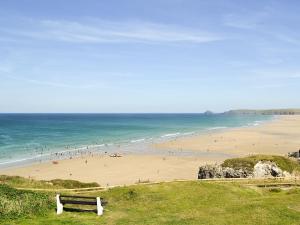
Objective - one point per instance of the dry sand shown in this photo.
(110, 171)
(277, 137)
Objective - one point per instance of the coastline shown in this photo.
(36, 149)
(278, 136)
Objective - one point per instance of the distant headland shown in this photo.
(265, 111)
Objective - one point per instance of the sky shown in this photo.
(148, 56)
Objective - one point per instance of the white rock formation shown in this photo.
(264, 169)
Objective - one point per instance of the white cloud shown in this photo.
(106, 31)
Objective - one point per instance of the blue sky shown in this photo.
(148, 56)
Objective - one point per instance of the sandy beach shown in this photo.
(279, 136)
(110, 171)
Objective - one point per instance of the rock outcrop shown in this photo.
(235, 173)
(216, 171)
(208, 112)
(294, 154)
(210, 171)
(262, 169)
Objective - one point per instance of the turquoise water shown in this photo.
(30, 136)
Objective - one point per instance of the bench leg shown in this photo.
(99, 207)
(59, 206)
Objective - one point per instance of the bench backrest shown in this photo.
(79, 200)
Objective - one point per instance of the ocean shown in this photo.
(34, 137)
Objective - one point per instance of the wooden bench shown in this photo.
(62, 200)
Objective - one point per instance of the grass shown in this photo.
(193, 202)
(16, 203)
(73, 184)
(20, 182)
(248, 163)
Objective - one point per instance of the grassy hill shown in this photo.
(286, 164)
(265, 112)
(191, 202)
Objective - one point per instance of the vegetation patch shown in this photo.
(73, 184)
(21, 182)
(190, 202)
(130, 194)
(18, 203)
(275, 190)
(248, 163)
(186, 203)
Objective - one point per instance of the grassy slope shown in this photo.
(20, 182)
(185, 203)
(15, 203)
(249, 162)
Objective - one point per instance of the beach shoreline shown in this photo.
(276, 137)
(46, 137)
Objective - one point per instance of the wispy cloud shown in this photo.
(48, 83)
(248, 20)
(5, 68)
(296, 75)
(291, 39)
(107, 31)
(266, 22)
(270, 78)
(273, 74)
(267, 86)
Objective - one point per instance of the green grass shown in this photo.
(194, 202)
(16, 203)
(284, 163)
(20, 182)
(73, 184)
